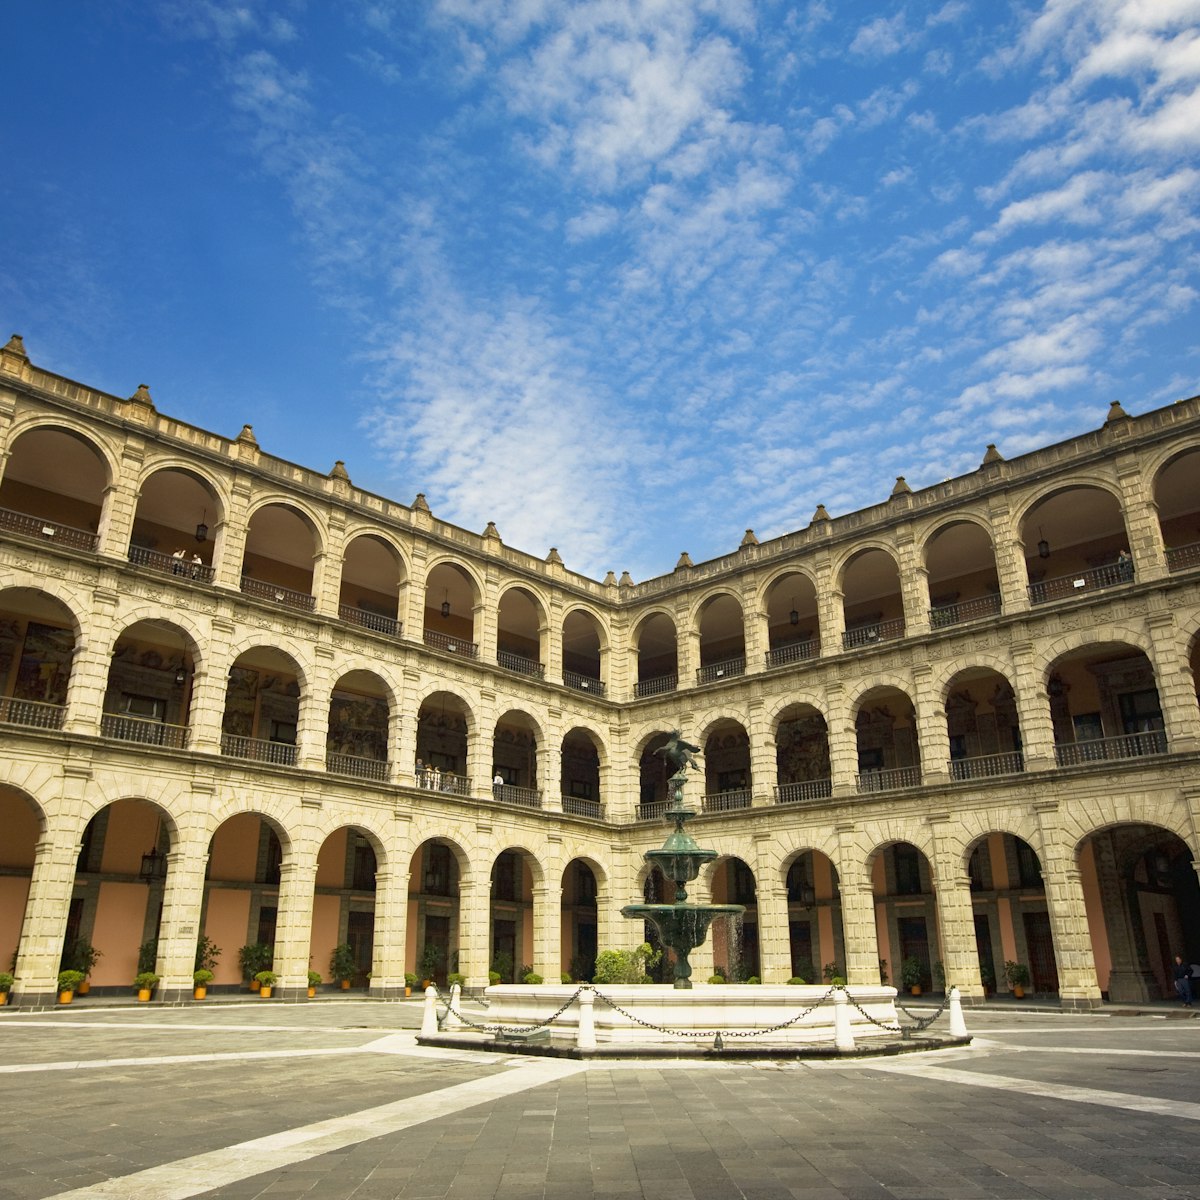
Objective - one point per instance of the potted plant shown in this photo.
(6, 982)
(1017, 975)
(429, 963)
(342, 965)
(314, 982)
(145, 982)
(200, 980)
(910, 974)
(987, 977)
(207, 953)
(939, 976)
(266, 981)
(410, 982)
(532, 977)
(493, 978)
(457, 977)
(253, 958)
(81, 956)
(68, 981)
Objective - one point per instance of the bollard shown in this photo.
(843, 1039)
(429, 1024)
(585, 1038)
(452, 1019)
(958, 1026)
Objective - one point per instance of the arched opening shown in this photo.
(512, 932)
(372, 582)
(963, 582)
(1075, 543)
(906, 916)
(149, 690)
(982, 725)
(581, 649)
(657, 655)
(727, 782)
(172, 525)
(885, 727)
(793, 620)
(514, 759)
(735, 943)
(722, 639)
(37, 649)
(802, 770)
(1178, 510)
(432, 949)
(22, 824)
(520, 625)
(818, 947)
(442, 728)
(450, 600)
(262, 707)
(579, 923)
(344, 903)
(653, 774)
(873, 605)
(580, 787)
(357, 739)
(281, 549)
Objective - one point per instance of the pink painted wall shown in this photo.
(14, 892)
(19, 828)
(1095, 915)
(120, 915)
(326, 910)
(227, 922)
(234, 855)
(132, 830)
(331, 869)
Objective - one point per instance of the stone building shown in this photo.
(245, 700)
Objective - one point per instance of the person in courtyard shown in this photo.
(1183, 981)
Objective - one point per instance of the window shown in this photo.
(908, 870)
(142, 706)
(437, 869)
(1141, 712)
(1029, 870)
(284, 732)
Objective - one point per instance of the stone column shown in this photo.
(326, 584)
(757, 639)
(293, 931)
(117, 512)
(614, 931)
(843, 741)
(933, 738)
(1077, 988)
(1173, 678)
(312, 725)
(550, 774)
(474, 931)
(391, 931)
(1141, 520)
(955, 912)
(45, 926)
(179, 928)
(914, 584)
(774, 933)
(89, 670)
(210, 687)
(688, 641)
(1010, 558)
(231, 536)
(858, 911)
(547, 932)
(1033, 710)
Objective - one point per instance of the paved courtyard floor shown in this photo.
(335, 1100)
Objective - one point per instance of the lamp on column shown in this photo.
(1043, 545)
(202, 529)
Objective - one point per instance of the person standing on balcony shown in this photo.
(1125, 567)
(177, 563)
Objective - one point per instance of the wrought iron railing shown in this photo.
(520, 664)
(452, 645)
(47, 530)
(651, 810)
(361, 768)
(726, 801)
(444, 781)
(1092, 580)
(281, 595)
(793, 652)
(983, 766)
(280, 754)
(376, 622)
(509, 793)
(803, 792)
(1126, 745)
(964, 610)
(577, 806)
(657, 686)
(731, 668)
(143, 730)
(168, 564)
(584, 683)
(1180, 558)
(33, 714)
(886, 781)
(868, 635)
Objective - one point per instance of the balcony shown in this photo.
(444, 781)
(868, 635)
(731, 668)
(32, 714)
(279, 594)
(656, 686)
(361, 768)
(795, 652)
(520, 664)
(807, 792)
(986, 766)
(168, 564)
(47, 531)
(279, 754)
(1128, 745)
(375, 622)
(584, 683)
(577, 806)
(452, 645)
(653, 810)
(730, 801)
(1092, 580)
(508, 793)
(964, 610)
(143, 730)
(887, 781)
(1182, 558)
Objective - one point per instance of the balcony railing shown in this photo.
(1092, 580)
(369, 620)
(509, 793)
(964, 610)
(1127, 745)
(805, 792)
(657, 686)
(168, 564)
(652, 810)
(144, 730)
(726, 801)
(280, 754)
(793, 652)
(584, 683)
(47, 530)
(731, 668)
(577, 806)
(33, 714)
(868, 635)
(1180, 558)
(886, 781)
(520, 664)
(444, 781)
(361, 768)
(983, 766)
(281, 595)
(452, 645)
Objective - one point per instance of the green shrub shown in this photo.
(144, 981)
(314, 979)
(626, 966)
(80, 955)
(831, 970)
(207, 953)
(565, 977)
(266, 978)
(754, 979)
(341, 962)
(202, 977)
(6, 982)
(797, 979)
(838, 981)
(456, 977)
(716, 979)
(493, 978)
(532, 977)
(148, 955)
(410, 980)
(254, 957)
(68, 981)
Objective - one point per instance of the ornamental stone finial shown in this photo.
(685, 560)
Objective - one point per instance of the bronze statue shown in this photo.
(678, 753)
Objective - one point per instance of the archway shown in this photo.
(964, 585)
(433, 937)
(371, 585)
(443, 725)
(906, 915)
(280, 554)
(149, 690)
(579, 920)
(511, 917)
(802, 770)
(735, 943)
(816, 939)
(873, 604)
(344, 901)
(262, 707)
(176, 509)
(37, 650)
(657, 655)
(722, 639)
(356, 741)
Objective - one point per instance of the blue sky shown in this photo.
(625, 278)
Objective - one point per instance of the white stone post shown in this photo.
(429, 1024)
(843, 1035)
(585, 1037)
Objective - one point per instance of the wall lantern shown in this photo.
(180, 675)
(794, 616)
(202, 529)
(446, 604)
(1043, 545)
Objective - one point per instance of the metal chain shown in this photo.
(502, 1029)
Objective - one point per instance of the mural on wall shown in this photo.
(802, 750)
(358, 726)
(272, 698)
(45, 664)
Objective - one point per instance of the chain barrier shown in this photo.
(503, 1029)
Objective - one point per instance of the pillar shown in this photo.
(547, 932)
(179, 928)
(955, 913)
(391, 932)
(474, 931)
(293, 930)
(774, 933)
(40, 947)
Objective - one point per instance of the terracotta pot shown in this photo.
(265, 992)
(407, 990)
(200, 991)
(345, 985)
(143, 995)
(1018, 991)
(312, 991)
(84, 988)
(3, 999)
(65, 997)
(915, 989)
(254, 985)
